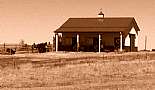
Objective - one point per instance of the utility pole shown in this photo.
(4, 47)
(145, 42)
(3, 51)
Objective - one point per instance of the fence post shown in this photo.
(14, 63)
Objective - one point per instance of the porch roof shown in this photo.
(90, 30)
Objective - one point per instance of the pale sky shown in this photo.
(35, 20)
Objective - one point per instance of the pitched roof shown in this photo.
(121, 24)
(101, 13)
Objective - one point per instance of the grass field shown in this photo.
(78, 71)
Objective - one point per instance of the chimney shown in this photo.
(101, 15)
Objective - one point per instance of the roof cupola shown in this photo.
(101, 15)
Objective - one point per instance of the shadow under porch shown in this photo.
(89, 42)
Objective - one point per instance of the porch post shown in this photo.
(99, 43)
(78, 45)
(121, 39)
(56, 44)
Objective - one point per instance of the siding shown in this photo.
(127, 39)
(108, 38)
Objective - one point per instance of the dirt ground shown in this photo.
(78, 71)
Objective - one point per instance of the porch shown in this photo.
(90, 42)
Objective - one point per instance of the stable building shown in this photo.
(97, 34)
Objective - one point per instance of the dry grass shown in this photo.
(78, 71)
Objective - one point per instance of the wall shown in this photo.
(127, 39)
(85, 38)
(108, 38)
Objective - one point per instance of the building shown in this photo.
(98, 34)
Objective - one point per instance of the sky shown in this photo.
(35, 20)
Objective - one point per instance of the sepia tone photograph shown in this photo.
(77, 45)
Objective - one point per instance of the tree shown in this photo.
(22, 42)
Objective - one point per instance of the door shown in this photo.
(132, 42)
(95, 44)
(74, 43)
(117, 42)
